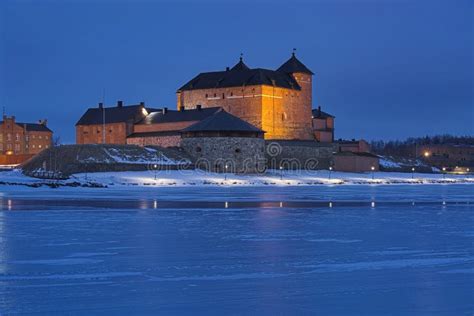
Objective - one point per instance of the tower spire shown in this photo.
(294, 52)
(241, 57)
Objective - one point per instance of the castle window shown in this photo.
(46, 137)
(207, 95)
(9, 137)
(231, 94)
(223, 96)
(40, 137)
(39, 146)
(198, 149)
(215, 95)
(283, 116)
(237, 150)
(17, 137)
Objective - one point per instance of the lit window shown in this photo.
(9, 137)
(34, 146)
(39, 146)
(40, 137)
(17, 137)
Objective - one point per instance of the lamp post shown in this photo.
(281, 172)
(412, 172)
(373, 169)
(329, 176)
(155, 168)
(225, 174)
(444, 172)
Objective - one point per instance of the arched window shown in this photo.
(198, 149)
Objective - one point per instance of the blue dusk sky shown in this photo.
(385, 69)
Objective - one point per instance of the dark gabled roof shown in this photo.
(241, 77)
(293, 65)
(178, 116)
(317, 113)
(32, 127)
(115, 114)
(223, 121)
(35, 127)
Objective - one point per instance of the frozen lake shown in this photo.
(328, 250)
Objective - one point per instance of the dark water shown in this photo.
(398, 250)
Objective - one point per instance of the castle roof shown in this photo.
(170, 116)
(317, 113)
(222, 121)
(293, 65)
(116, 114)
(241, 75)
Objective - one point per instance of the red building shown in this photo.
(20, 141)
(109, 125)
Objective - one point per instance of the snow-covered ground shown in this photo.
(270, 178)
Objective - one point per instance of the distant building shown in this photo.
(276, 101)
(323, 126)
(20, 141)
(447, 155)
(109, 125)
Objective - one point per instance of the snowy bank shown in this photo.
(201, 178)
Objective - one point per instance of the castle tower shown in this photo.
(302, 108)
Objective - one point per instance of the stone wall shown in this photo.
(309, 155)
(240, 154)
(163, 141)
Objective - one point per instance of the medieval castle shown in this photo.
(230, 115)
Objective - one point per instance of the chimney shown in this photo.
(181, 108)
(43, 122)
(119, 104)
(199, 107)
(227, 68)
(101, 105)
(165, 110)
(142, 103)
(319, 110)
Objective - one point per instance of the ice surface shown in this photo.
(412, 257)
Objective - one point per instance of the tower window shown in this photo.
(207, 95)
(223, 96)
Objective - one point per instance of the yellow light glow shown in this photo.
(426, 153)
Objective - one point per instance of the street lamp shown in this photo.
(225, 174)
(444, 172)
(373, 169)
(426, 154)
(412, 172)
(155, 168)
(281, 172)
(330, 169)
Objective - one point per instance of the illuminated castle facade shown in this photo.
(276, 101)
